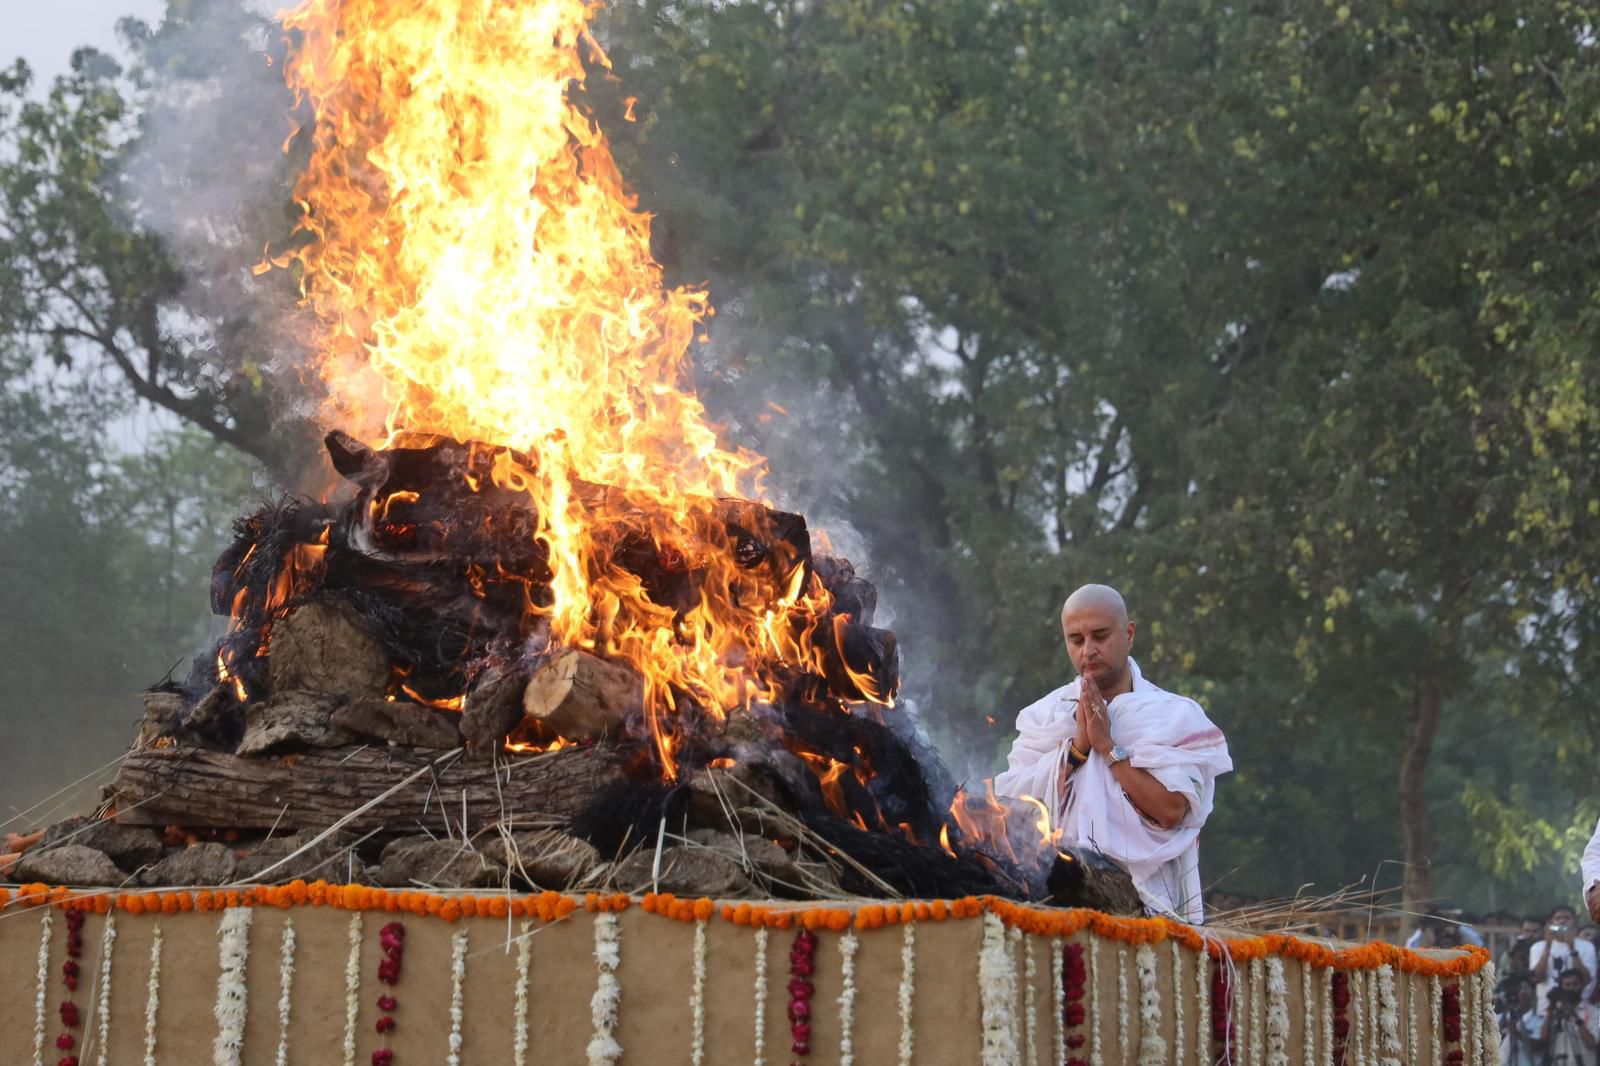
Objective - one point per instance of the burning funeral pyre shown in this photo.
(543, 633)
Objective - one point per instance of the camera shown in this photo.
(1562, 998)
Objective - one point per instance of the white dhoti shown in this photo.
(1166, 734)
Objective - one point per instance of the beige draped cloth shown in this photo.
(1168, 735)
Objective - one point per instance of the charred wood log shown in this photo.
(492, 710)
(583, 697)
(1081, 877)
(198, 788)
(852, 595)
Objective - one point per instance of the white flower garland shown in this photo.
(1488, 1027)
(759, 1057)
(1058, 972)
(41, 987)
(1374, 1018)
(1095, 1058)
(1030, 1009)
(519, 1046)
(1177, 1001)
(108, 939)
(1388, 1018)
(996, 993)
(1122, 1000)
(1308, 1032)
(1277, 1014)
(458, 976)
(1412, 1031)
(908, 977)
(1017, 1010)
(352, 989)
(152, 997)
(1436, 994)
(1202, 1029)
(1469, 1031)
(285, 987)
(847, 997)
(603, 1006)
(1152, 1045)
(1258, 969)
(697, 997)
(1238, 1011)
(1327, 1017)
(1357, 1039)
(233, 934)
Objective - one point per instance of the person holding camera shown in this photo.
(1521, 1028)
(1559, 951)
(1569, 1027)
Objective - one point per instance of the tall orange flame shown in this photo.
(476, 269)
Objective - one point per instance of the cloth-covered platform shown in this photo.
(329, 974)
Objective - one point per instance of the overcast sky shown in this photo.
(44, 32)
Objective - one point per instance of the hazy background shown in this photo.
(1279, 319)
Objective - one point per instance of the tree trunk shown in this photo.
(1417, 882)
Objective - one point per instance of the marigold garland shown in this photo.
(555, 906)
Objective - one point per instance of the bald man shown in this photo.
(1124, 767)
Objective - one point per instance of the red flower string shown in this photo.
(1223, 1034)
(392, 938)
(70, 1018)
(1341, 1015)
(802, 964)
(1450, 1020)
(1074, 987)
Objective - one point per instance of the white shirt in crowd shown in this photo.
(1561, 954)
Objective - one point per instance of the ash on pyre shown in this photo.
(544, 586)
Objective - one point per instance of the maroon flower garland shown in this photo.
(1074, 985)
(1223, 1034)
(70, 1017)
(392, 938)
(1341, 1015)
(1450, 1022)
(802, 964)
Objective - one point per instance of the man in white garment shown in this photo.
(1125, 767)
(1591, 874)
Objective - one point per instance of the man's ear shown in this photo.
(1130, 636)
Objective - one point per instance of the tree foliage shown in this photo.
(1276, 315)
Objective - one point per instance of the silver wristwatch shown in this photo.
(1118, 754)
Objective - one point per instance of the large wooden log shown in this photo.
(198, 788)
(583, 697)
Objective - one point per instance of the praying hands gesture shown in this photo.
(1094, 719)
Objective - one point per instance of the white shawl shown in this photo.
(1168, 735)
